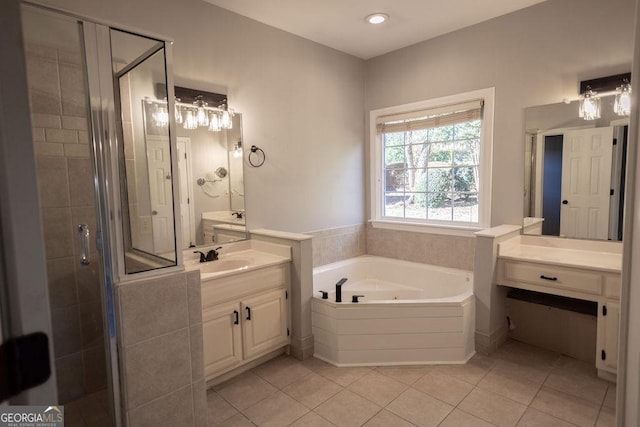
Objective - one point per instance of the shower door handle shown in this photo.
(83, 231)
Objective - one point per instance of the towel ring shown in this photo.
(260, 157)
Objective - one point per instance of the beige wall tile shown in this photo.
(65, 323)
(61, 135)
(194, 295)
(73, 90)
(156, 367)
(197, 352)
(76, 150)
(69, 56)
(153, 307)
(49, 121)
(91, 324)
(56, 223)
(95, 368)
(37, 50)
(49, 149)
(53, 181)
(44, 86)
(62, 282)
(69, 377)
(37, 134)
(199, 391)
(87, 281)
(175, 409)
(83, 137)
(81, 182)
(74, 122)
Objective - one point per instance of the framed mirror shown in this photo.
(574, 172)
(210, 166)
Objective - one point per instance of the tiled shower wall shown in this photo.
(346, 242)
(65, 181)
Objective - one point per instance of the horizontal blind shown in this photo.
(430, 118)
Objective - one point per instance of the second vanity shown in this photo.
(583, 270)
(245, 304)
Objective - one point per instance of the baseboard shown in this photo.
(489, 343)
(302, 348)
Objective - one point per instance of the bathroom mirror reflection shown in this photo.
(146, 184)
(574, 172)
(210, 167)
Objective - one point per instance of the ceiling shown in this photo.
(340, 24)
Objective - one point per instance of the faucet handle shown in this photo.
(325, 294)
(203, 257)
(354, 298)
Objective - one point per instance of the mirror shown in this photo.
(210, 167)
(574, 172)
(146, 180)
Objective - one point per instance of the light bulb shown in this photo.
(190, 121)
(178, 114)
(214, 122)
(160, 115)
(622, 104)
(202, 117)
(225, 120)
(589, 106)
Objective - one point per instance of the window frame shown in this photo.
(376, 170)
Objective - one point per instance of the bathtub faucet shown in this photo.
(339, 289)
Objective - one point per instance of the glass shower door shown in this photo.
(59, 102)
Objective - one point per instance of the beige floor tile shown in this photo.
(606, 418)
(282, 371)
(610, 397)
(531, 373)
(515, 388)
(534, 418)
(312, 420)
(492, 407)
(312, 390)
(483, 361)
(578, 379)
(419, 408)
(245, 390)
(469, 372)
(444, 387)
(404, 374)
(342, 376)
(527, 355)
(378, 388)
(218, 409)
(347, 409)
(314, 364)
(237, 420)
(458, 418)
(566, 407)
(385, 418)
(276, 410)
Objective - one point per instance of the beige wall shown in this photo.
(300, 102)
(534, 56)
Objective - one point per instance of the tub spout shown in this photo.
(339, 289)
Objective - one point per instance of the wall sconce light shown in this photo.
(237, 150)
(591, 91)
(622, 104)
(589, 106)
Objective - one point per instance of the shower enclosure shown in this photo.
(106, 195)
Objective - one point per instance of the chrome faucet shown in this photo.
(339, 289)
(212, 255)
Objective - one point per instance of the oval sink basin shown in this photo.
(224, 265)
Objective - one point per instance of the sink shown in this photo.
(225, 265)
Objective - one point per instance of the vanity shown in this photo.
(583, 270)
(245, 306)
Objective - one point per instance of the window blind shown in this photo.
(430, 118)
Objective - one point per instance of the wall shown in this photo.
(66, 199)
(300, 102)
(534, 56)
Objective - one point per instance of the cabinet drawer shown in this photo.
(552, 276)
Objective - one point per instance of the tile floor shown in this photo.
(519, 385)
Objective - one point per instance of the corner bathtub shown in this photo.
(410, 314)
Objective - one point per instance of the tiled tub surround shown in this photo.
(56, 92)
(409, 313)
(161, 350)
(337, 244)
(434, 249)
(518, 385)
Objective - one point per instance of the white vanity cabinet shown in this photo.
(576, 273)
(245, 316)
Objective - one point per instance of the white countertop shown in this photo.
(606, 258)
(226, 217)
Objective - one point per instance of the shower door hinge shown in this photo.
(286, 294)
(615, 141)
(603, 355)
(611, 192)
(604, 310)
(24, 364)
(288, 332)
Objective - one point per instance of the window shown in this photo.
(432, 163)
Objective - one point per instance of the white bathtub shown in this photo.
(411, 313)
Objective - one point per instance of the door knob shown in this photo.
(565, 202)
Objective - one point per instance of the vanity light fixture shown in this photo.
(160, 115)
(589, 105)
(377, 18)
(226, 117)
(622, 104)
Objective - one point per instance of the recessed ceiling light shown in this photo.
(377, 18)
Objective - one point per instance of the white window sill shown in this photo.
(449, 230)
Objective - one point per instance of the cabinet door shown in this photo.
(608, 323)
(264, 323)
(222, 338)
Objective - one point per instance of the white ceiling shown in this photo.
(340, 24)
